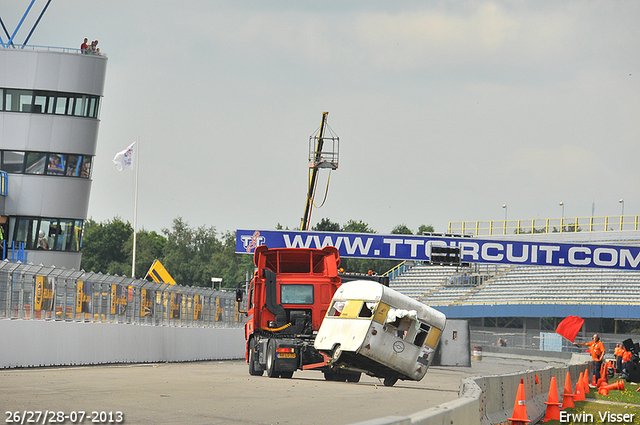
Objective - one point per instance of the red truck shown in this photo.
(288, 298)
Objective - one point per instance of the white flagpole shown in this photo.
(135, 209)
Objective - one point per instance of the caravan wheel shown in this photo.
(389, 381)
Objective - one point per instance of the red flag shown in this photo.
(569, 327)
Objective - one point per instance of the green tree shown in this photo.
(326, 225)
(104, 247)
(425, 229)
(188, 253)
(401, 229)
(149, 247)
(357, 227)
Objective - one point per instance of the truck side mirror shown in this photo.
(239, 295)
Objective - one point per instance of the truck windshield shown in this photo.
(296, 294)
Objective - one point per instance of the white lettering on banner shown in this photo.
(392, 245)
(297, 241)
(327, 241)
(489, 257)
(579, 262)
(625, 255)
(469, 248)
(522, 258)
(550, 250)
(414, 246)
(597, 257)
(357, 243)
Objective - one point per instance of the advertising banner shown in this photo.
(197, 307)
(472, 250)
(118, 299)
(45, 287)
(174, 307)
(147, 302)
(83, 297)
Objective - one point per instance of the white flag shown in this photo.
(124, 159)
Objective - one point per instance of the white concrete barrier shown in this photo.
(29, 343)
(490, 399)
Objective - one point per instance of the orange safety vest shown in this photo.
(597, 350)
(627, 356)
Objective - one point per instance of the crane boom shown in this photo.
(314, 175)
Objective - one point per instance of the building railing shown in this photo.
(50, 49)
(47, 293)
(546, 225)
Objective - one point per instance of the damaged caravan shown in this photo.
(373, 329)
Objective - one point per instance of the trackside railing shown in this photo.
(32, 292)
(546, 225)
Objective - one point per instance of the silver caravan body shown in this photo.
(373, 329)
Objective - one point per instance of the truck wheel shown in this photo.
(390, 380)
(253, 370)
(330, 376)
(286, 375)
(271, 360)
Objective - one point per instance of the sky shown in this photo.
(445, 110)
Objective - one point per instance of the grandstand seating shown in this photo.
(435, 285)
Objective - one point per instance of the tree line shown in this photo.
(194, 255)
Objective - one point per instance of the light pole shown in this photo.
(562, 217)
(504, 229)
(622, 202)
(621, 213)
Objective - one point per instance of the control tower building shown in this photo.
(49, 118)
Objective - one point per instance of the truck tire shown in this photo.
(389, 381)
(286, 375)
(271, 360)
(254, 370)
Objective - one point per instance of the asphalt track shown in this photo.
(222, 392)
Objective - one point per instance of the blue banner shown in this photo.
(472, 250)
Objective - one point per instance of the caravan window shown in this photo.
(352, 309)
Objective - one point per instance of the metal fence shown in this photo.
(546, 225)
(535, 339)
(46, 293)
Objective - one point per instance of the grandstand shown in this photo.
(442, 286)
(530, 293)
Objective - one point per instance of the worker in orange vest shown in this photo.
(596, 347)
(618, 354)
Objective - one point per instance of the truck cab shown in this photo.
(289, 296)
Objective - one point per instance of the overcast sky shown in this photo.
(446, 110)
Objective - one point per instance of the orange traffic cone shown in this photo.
(553, 405)
(585, 381)
(603, 391)
(567, 397)
(603, 377)
(519, 408)
(579, 394)
(619, 386)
